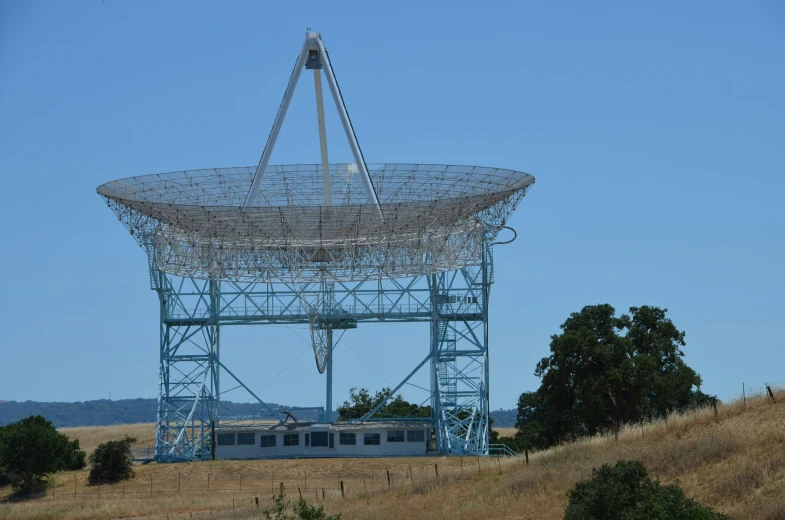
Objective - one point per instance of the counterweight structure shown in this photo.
(332, 246)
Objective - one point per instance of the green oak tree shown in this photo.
(605, 371)
(361, 402)
(32, 448)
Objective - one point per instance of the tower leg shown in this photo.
(329, 372)
(436, 411)
(188, 372)
(459, 366)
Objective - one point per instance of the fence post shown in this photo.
(257, 502)
(389, 482)
(526, 453)
(714, 405)
(744, 396)
(342, 493)
(411, 476)
(436, 468)
(322, 493)
(213, 444)
(771, 394)
(499, 462)
(300, 492)
(479, 469)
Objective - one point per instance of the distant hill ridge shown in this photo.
(104, 412)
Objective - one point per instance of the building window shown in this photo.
(332, 440)
(372, 439)
(347, 438)
(267, 441)
(319, 439)
(225, 439)
(291, 439)
(395, 436)
(307, 439)
(245, 438)
(415, 436)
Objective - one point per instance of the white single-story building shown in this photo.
(349, 439)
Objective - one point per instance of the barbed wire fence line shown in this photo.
(250, 487)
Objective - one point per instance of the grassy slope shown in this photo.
(91, 436)
(735, 463)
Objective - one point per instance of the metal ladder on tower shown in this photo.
(448, 372)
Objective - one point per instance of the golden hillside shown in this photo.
(734, 462)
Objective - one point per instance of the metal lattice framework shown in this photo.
(328, 245)
(195, 224)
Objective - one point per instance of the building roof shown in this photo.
(337, 426)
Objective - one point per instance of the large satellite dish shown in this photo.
(321, 222)
(433, 218)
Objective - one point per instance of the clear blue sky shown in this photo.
(656, 134)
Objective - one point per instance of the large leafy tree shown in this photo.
(32, 448)
(605, 371)
(361, 402)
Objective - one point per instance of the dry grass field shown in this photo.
(505, 432)
(91, 436)
(734, 462)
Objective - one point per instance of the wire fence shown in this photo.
(260, 486)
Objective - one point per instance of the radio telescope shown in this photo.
(330, 245)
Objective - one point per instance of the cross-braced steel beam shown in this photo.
(455, 303)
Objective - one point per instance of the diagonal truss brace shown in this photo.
(395, 390)
(270, 410)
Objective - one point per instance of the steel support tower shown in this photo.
(331, 246)
(193, 311)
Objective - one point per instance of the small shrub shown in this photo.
(284, 509)
(111, 461)
(625, 492)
